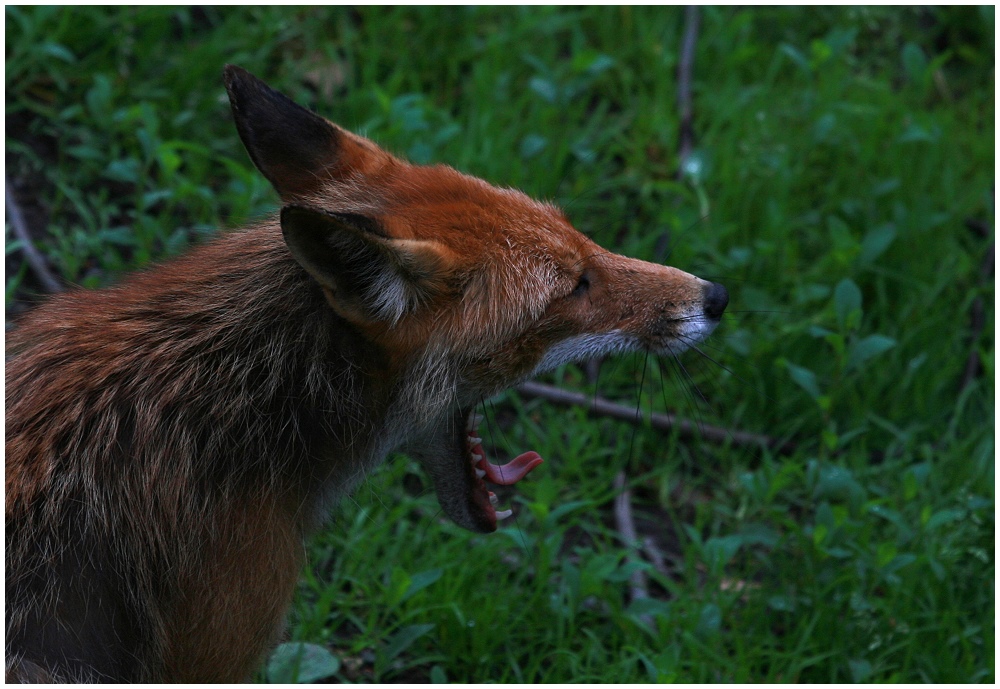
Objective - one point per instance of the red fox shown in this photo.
(171, 441)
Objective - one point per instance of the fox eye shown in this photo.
(582, 285)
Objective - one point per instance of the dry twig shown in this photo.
(658, 420)
(31, 252)
(626, 529)
(684, 70)
(685, 139)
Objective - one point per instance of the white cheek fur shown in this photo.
(692, 330)
(581, 347)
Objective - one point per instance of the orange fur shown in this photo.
(171, 441)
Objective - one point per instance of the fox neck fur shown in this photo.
(171, 441)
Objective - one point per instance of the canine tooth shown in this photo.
(504, 514)
(477, 418)
(480, 473)
(494, 500)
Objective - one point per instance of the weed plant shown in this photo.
(841, 157)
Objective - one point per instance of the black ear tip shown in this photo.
(296, 149)
(238, 81)
(231, 74)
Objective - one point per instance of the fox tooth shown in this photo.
(477, 419)
(493, 498)
(480, 473)
(476, 458)
(504, 514)
(475, 441)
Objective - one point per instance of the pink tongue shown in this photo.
(513, 471)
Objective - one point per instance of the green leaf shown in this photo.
(420, 581)
(887, 187)
(126, 170)
(709, 621)
(625, 572)
(298, 662)
(845, 246)
(914, 62)
(168, 158)
(566, 508)
(544, 88)
(796, 56)
(719, 550)
(885, 553)
(592, 62)
(944, 517)
(805, 378)
(835, 483)
(915, 132)
(847, 302)
(758, 534)
(861, 670)
(820, 51)
(399, 584)
(893, 516)
(648, 606)
(864, 349)
(838, 342)
(532, 145)
(404, 638)
(58, 51)
(876, 242)
(781, 603)
(824, 126)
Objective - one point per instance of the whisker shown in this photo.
(768, 311)
(694, 347)
(690, 378)
(638, 409)
(686, 392)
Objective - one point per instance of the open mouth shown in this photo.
(461, 473)
(483, 500)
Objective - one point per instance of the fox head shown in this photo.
(466, 288)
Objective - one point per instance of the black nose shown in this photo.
(716, 298)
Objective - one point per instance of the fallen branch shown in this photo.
(658, 420)
(684, 70)
(656, 556)
(626, 529)
(31, 253)
(685, 138)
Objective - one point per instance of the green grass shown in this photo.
(840, 154)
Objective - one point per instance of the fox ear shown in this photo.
(297, 150)
(368, 275)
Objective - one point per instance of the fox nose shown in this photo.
(715, 299)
